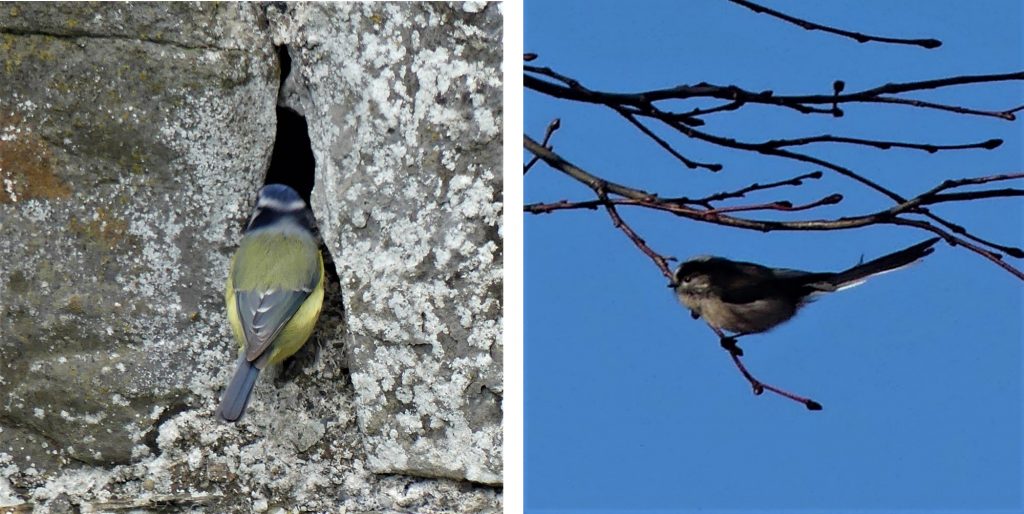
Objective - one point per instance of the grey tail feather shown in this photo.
(883, 264)
(236, 396)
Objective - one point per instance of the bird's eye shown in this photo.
(686, 279)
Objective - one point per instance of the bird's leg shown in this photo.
(728, 342)
(760, 387)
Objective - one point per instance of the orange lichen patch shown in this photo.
(26, 167)
(105, 229)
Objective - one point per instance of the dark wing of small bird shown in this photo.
(264, 314)
(751, 282)
(739, 282)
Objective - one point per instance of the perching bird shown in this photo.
(746, 298)
(274, 292)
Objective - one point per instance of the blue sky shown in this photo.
(631, 405)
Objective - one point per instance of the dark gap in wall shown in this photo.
(292, 162)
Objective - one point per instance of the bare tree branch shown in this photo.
(700, 210)
(571, 89)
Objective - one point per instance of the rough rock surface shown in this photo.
(132, 141)
(404, 106)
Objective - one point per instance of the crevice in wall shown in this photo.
(292, 162)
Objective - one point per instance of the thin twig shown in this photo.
(781, 205)
(551, 128)
(856, 36)
(972, 181)
(760, 386)
(881, 145)
(659, 260)
(557, 162)
(664, 144)
(779, 152)
(726, 107)
(1006, 115)
(739, 193)
(975, 195)
(729, 344)
(955, 241)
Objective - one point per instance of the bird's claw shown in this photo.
(729, 343)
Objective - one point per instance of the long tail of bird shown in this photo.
(884, 264)
(236, 396)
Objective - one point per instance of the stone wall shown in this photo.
(132, 141)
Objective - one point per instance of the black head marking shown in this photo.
(693, 267)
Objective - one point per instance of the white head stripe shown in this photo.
(277, 205)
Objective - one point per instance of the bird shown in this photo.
(747, 298)
(274, 291)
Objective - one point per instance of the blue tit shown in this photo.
(274, 291)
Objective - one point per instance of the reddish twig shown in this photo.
(856, 36)
(729, 344)
(675, 206)
(659, 260)
(760, 387)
